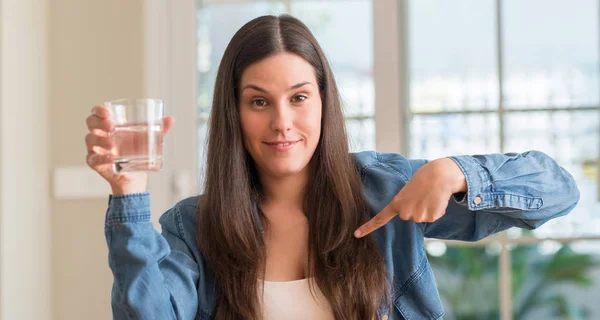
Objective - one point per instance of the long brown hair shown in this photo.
(350, 272)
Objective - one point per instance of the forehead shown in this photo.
(285, 69)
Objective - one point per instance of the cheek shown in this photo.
(251, 126)
(313, 122)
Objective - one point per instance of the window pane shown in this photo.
(551, 281)
(570, 137)
(467, 279)
(217, 23)
(550, 53)
(344, 29)
(435, 136)
(348, 46)
(361, 134)
(452, 55)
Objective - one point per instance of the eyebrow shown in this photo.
(257, 88)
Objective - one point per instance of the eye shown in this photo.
(299, 98)
(259, 102)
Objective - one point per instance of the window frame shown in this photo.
(170, 74)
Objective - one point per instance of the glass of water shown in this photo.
(138, 134)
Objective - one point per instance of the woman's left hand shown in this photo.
(424, 198)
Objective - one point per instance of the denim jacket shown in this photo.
(164, 276)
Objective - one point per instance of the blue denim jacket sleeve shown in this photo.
(155, 275)
(504, 190)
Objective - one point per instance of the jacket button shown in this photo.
(477, 200)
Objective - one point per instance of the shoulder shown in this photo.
(373, 163)
(182, 218)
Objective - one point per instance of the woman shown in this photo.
(293, 226)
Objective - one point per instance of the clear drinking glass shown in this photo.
(138, 134)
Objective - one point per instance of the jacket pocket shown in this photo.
(418, 298)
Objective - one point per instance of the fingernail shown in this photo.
(357, 233)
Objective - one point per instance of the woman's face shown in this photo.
(280, 109)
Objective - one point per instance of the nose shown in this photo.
(282, 118)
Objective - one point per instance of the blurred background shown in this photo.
(425, 78)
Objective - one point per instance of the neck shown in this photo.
(287, 192)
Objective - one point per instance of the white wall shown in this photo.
(97, 53)
(24, 170)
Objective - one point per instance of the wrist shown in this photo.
(121, 191)
(454, 177)
(129, 183)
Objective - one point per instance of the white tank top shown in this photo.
(293, 300)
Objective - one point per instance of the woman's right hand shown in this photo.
(101, 151)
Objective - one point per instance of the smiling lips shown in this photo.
(282, 145)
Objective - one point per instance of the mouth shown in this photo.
(282, 145)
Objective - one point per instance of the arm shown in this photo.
(474, 196)
(155, 275)
(504, 190)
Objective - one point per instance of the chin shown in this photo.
(285, 169)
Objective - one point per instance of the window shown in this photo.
(507, 76)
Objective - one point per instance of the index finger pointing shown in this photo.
(377, 222)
